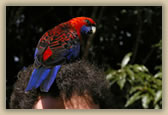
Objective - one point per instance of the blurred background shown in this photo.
(127, 44)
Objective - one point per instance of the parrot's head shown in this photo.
(85, 26)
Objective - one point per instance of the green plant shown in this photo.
(139, 84)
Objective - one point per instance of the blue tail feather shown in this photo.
(42, 76)
(33, 79)
(45, 86)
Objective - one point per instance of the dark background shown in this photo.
(120, 30)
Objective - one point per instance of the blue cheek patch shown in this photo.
(85, 29)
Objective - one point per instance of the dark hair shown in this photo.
(78, 77)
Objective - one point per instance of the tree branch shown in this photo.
(139, 34)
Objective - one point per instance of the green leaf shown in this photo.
(112, 82)
(110, 70)
(158, 75)
(122, 80)
(151, 91)
(155, 86)
(135, 88)
(158, 45)
(146, 99)
(157, 106)
(133, 98)
(136, 68)
(109, 77)
(130, 74)
(112, 77)
(126, 59)
(140, 68)
(159, 67)
(158, 82)
(144, 69)
(158, 96)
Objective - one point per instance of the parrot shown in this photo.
(58, 46)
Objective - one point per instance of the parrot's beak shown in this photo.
(93, 29)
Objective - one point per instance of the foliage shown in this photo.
(139, 83)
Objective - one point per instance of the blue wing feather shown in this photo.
(73, 52)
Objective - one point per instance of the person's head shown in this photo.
(76, 83)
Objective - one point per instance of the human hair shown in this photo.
(78, 77)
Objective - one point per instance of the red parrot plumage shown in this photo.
(58, 46)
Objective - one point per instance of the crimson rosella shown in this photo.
(58, 46)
